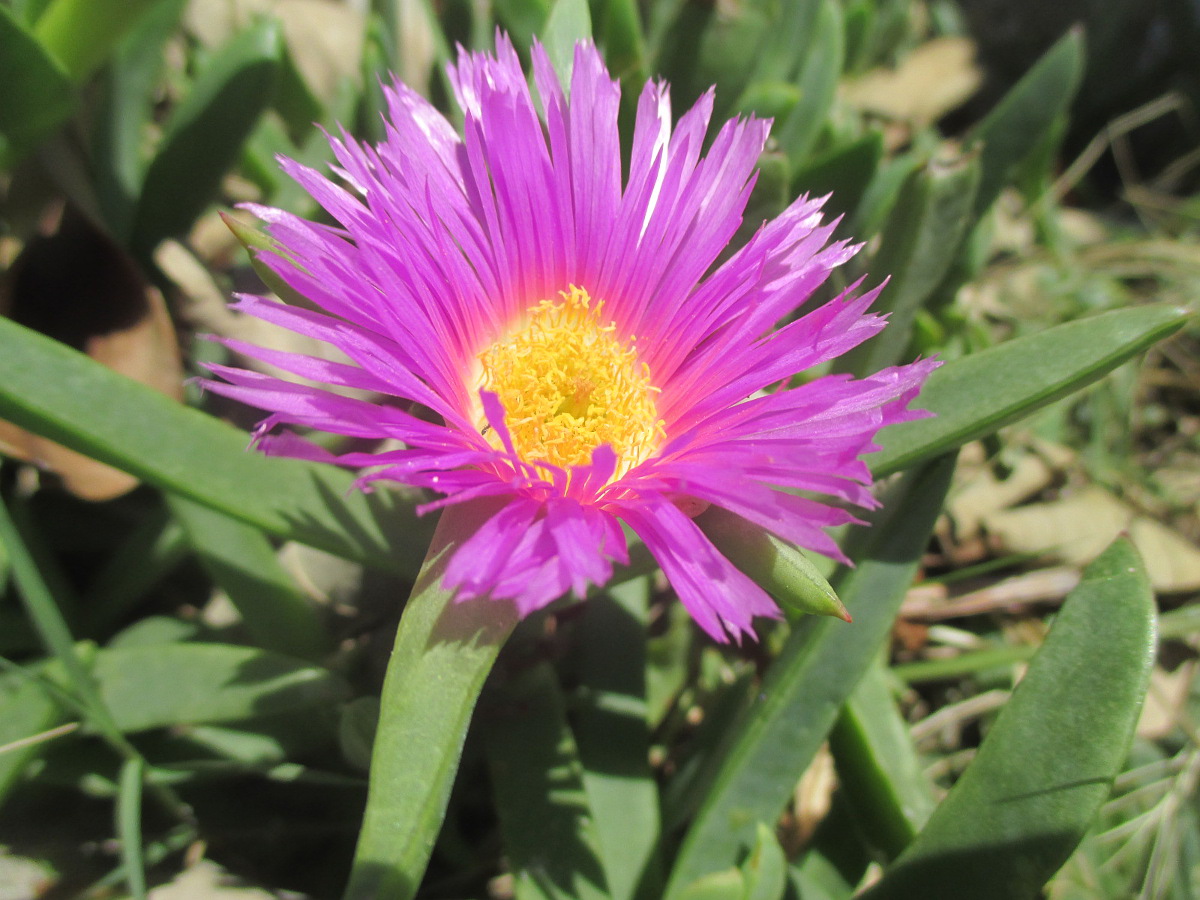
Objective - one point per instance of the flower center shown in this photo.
(568, 385)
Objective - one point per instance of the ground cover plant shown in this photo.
(550, 597)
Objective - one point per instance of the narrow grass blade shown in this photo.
(1050, 759)
(804, 689)
(129, 826)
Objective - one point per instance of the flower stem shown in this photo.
(442, 655)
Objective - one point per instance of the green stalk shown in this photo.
(56, 636)
(442, 655)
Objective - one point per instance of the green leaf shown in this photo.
(537, 778)
(205, 133)
(57, 392)
(777, 735)
(161, 685)
(877, 764)
(443, 652)
(1048, 762)
(80, 34)
(37, 94)
(978, 394)
(613, 738)
(918, 244)
(728, 884)
(817, 82)
(620, 36)
(780, 568)
(26, 711)
(765, 870)
(845, 171)
(242, 562)
(126, 106)
(522, 19)
(1019, 123)
(569, 22)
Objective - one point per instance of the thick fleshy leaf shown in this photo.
(569, 22)
(243, 563)
(877, 765)
(1021, 121)
(37, 94)
(81, 34)
(778, 567)
(609, 719)
(1049, 761)
(160, 685)
(798, 702)
(926, 226)
(205, 134)
(537, 778)
(126, 106)
(765, 869)
(443, 652)
(57, 392)
(26, 711)
(978, 394)
(817, 82)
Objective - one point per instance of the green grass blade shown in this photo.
(26, 710)
(978, 394)
(1048, 762)
(129, 826)
(549, 838)
(57, 392)
(242, 561)
(51, 627)
(805, 688)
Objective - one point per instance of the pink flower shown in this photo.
(544, 331)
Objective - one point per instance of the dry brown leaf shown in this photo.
(1075, 529)
(325, 39)
(1172, 561)
(1165, 701)
(207, 881)
(79, 287)
(935, 78)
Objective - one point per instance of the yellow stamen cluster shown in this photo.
(568, 385)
